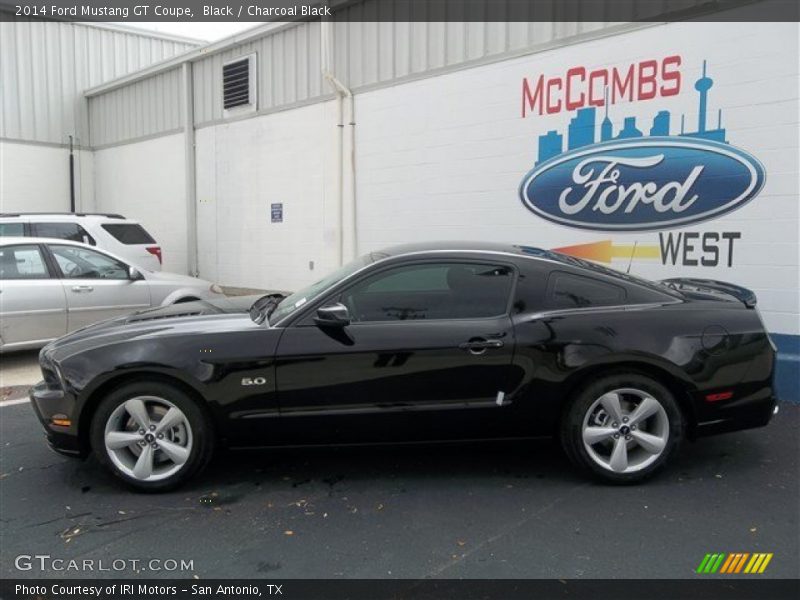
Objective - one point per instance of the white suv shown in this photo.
(114, 233)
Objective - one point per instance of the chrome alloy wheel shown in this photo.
(148, 438)
(625, 430)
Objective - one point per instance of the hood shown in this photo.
(215, 315)
(176, 278)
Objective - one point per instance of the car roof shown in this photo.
(65, 218)
(520, 250)
(452, 246)
(56, 216)
(8, 240)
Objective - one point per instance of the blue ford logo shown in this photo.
(642, 184)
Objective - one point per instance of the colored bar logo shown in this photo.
(735, 562)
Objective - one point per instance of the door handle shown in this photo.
(480, 345)
(78, 289)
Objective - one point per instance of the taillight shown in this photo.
(156, 251)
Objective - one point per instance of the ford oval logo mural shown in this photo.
(642, 184)
(630, 181)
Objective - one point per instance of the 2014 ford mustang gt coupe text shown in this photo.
(415, 343)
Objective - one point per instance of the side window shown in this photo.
(431, 291)
(22, 262)
(565, 290)
(412, 279)
(63, 231)
(80, 263)
(12, 229)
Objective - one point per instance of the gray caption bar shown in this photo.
(401, 10)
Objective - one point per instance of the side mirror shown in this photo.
(335, 315)
(134, 274)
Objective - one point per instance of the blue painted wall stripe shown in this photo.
(787, 371)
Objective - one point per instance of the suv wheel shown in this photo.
(151, 435)
(622, 428)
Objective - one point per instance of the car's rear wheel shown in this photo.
(152, 435)
(622, 428)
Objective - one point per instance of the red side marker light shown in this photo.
(719, 396)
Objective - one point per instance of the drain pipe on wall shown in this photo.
(190, 169)
(342, 93)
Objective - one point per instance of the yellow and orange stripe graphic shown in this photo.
(605, 251)
(735, 562)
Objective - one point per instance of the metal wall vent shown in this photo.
(237, 82)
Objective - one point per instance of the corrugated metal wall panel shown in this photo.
(369, 53)
(288, 66)
(146, 107)
(366, 54)
(46, 65)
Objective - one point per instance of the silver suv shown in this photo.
(114, 233)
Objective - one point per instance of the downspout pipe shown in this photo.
(71, 176)
(190, 169)
(343, 93)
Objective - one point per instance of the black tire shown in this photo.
(572, 425)
(196, 420)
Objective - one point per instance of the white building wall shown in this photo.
(443, 158)
(246, 166)
(35, 177)
(146, 181)
(45, 66)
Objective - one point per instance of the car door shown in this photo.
(33, 306)
(97, 286)
(428, 354)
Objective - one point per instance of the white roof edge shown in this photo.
(133, 30)
(193, 55)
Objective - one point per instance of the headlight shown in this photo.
(51, 372)
(215, 289)
(60, 374)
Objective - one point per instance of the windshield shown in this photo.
(291, 303)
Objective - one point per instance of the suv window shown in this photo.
(12, 229)
(81, 263)
(432, 291)
(22, 262)
(565, 290)
(63, 231)
(128, 233)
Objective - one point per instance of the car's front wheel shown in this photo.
(623, 427)
(152, 435)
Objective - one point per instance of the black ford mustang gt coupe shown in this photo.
(416, 343)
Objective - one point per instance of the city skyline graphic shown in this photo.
(582, 127)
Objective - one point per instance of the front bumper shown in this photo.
(49, 403)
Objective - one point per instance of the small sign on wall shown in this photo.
(277, 212)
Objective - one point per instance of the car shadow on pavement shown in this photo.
(455, 464)
(444, 463)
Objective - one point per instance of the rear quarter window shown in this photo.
(567, 290)
(128, 233)
(22, 262)
(12, 229)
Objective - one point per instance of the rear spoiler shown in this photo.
(743, 295)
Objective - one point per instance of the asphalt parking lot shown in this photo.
(492, 510)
